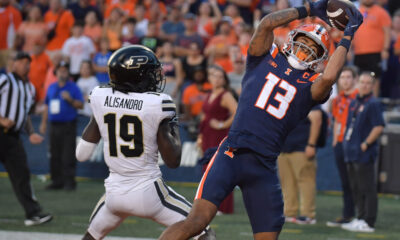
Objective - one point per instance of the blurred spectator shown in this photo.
(59, 23)
(81, 8)
(86, 82)
(192, 61)
(39, 66)
(246, 8)
(232, 11)
(93, 28)
(217, 49)
(391, 78)
(244, 41)
(372, 55)
(10, 19)
(112, 29)
(127, 7)
(43, 5)
(194, 95)
(63, 98)
(141, 21)
(264, 8)
(172, 68)
(51, 73)
(239, 68)
(218, 111)
(31, 30)
(364, 125)
(77, 48)
(298, 169)
(395, 31)
(128, 33)
(190, 35)
(155, 10)
(208, 18)
(150, 39)
(173, 26)
(100, 62)
(340, 108)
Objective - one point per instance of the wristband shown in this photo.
(302, 12)
(345, 43)
(365, 142)
(311, 145)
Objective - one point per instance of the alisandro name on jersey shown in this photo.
(117, 102)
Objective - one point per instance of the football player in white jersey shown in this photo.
(135, 122)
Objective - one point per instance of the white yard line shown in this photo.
(11, 235)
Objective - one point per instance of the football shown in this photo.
(336, 11)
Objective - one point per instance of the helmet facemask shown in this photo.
(300, 55)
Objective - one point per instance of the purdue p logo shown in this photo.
(136, 61)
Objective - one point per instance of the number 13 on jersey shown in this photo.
(284, 100)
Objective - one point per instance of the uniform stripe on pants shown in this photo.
(171, 199)
(98, 206)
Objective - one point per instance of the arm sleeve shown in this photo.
(167, 107)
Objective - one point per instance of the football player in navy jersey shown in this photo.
(279, 90)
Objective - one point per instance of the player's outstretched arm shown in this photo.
(322, 85)
(263, 37)
(169, 142)
(90, 137)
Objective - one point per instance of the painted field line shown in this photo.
(11, 235)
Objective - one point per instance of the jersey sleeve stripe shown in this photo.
(167, 101)
(99, 205)
(168, 105)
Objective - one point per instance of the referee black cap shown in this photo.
(22, 55)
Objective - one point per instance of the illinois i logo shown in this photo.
(136, 61)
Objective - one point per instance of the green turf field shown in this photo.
(72, 210)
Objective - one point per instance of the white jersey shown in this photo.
(128, 124)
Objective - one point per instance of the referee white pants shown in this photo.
(157, 201)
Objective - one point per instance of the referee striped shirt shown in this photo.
(16, 99)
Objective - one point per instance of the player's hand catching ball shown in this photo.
(355, 20)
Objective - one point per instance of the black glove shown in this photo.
(355, 20)
(318, 9)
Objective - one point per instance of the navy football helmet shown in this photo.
(135, 68)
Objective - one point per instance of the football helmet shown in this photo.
(135, 68)
(301, 56)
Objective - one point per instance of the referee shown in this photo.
(17, 96)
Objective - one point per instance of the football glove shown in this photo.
(318, 9)
(355, 20)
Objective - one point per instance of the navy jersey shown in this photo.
(275, 98)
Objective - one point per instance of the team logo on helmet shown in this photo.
(136, 61)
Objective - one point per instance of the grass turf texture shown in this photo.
(71, 211)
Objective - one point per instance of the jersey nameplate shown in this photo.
(117, 102)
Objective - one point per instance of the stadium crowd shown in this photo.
(202, 45)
